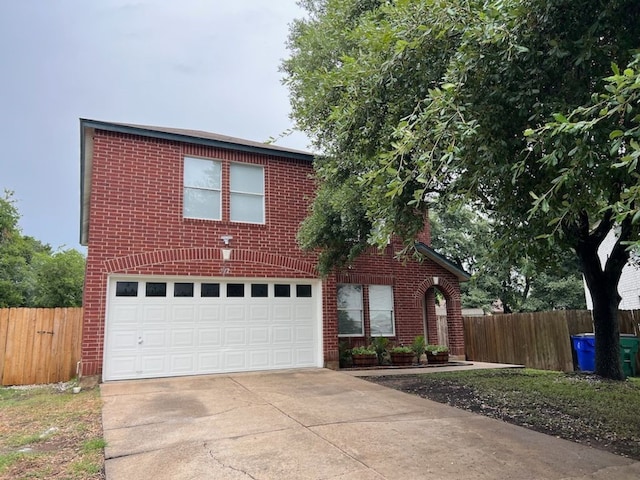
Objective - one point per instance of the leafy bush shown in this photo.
(437, 348)
(364, 350)
(402, 349)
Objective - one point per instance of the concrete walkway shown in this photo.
(321, 424)
(451, 367)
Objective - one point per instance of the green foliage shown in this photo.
(436, 348)
(30, 274)
(380, 345)
(416, 103)
(363, 350)
(10, 458)
(467, 236)
(336, 225)
(60, 279)
(419, 345)
(605, 132)
(94, 444)
(401, 349)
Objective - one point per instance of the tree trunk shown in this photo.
(603, 286)
(606, 299)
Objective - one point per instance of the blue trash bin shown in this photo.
(585, 347)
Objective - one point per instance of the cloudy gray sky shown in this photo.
(200, 64)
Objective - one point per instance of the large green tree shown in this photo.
(467, 237)
(31, 275)
(427, 101)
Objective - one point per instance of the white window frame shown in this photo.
(358, 310)
(246, 193)
(200, 188)
(374, 303)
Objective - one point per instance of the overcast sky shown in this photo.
(198, 64)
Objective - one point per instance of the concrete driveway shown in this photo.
(321, 424)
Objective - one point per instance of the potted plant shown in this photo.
(364, 357)
(402, 355)
(437, 354)
(344, 352)
(418, 346)
(380, 344)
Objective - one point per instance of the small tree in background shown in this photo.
(30, 274)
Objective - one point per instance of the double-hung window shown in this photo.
(350, 317)
(202, 189)
(246, 193)
(381, 311)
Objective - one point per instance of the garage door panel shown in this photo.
(234, 360)
(234, 313)
(154, 314)
(235, 337)
(259, 313)
(154, 339)
(209, 337)
(208, 314)
(283, 357)
(125, 314)
(303, 312)
(282, 335)
(209, 362)
(150, 336)
(182, 338)
(305, 356)
(153, 364)
(183, 314)
(124, 366)
(259, 359)
(258, 336)
(124, 340)
(183, 364)
(281, 312)
(304, 334)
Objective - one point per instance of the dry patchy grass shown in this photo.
(48, 432)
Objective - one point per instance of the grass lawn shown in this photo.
(578, 407)
(49, 433)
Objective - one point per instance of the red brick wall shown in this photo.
(137, 227)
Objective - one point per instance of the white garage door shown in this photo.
(159, 327)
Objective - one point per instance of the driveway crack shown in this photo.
(224, 465)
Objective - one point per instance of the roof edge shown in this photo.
(191, 136)
(443, 261)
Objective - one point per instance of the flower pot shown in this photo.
(402, 359)
(438, 358)
(365, 360)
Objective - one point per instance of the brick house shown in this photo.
(193, 265)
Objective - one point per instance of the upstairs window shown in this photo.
(202, 185)
(246, 193)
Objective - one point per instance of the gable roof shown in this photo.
(88, 127)
(443, 261)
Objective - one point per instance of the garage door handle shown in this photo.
(139, 340)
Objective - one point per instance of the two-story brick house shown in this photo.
(193, 265)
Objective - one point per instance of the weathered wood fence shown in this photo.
(537, 340)
(39, 345)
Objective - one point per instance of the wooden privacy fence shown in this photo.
(39, 345)
(537, 340)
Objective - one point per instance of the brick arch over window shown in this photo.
(206, 253)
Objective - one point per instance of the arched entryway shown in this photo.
(443, 329)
